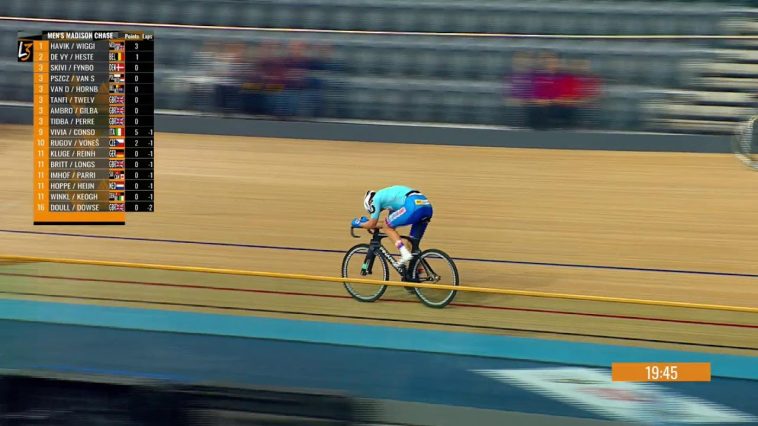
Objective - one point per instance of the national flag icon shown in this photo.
(115, 196)
(115, 56)
(116, 45)
(116, 153)
(117, 67)
(120, 186)
(115, 99)
(116, 88)
(117, 208)
(116, 175)
(116, 164)
(116, 121)
(116, 110)
(116, 78)
(116, 143)
(116, 131)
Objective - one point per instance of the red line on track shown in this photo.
(335, 296)
(193, 286)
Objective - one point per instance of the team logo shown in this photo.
(397, 214)
(25, 51)
(422, 202)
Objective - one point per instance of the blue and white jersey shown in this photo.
(391, 198)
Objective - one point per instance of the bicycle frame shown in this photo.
(377, 249)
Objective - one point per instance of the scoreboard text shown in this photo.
(94, 146)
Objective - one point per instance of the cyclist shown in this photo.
(405, 206)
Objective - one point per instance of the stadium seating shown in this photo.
(450, 79)
(720, 93)
(537, 16)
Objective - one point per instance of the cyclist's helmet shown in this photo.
(367, 202)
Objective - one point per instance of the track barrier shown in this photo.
(307, 277)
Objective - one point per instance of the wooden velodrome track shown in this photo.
(649, 211)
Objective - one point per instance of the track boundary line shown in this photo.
(306, 277)
(345, 296)
(320, 250)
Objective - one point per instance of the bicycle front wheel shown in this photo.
(354, 265)
(435, 267)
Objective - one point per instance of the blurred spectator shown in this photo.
(569, 96)
(315, 86)
(591, 88)
(201, 75)
(546, 92)
(578, 90)
(326, 93)
(203, 60)
(230, 74)
(268, 79)
(520, 85)
(254, 92)
(303, 87)
(271, 74)
(550, 95)
(296, 66)
(249, 101)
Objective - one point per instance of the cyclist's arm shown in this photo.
(373, 220)
(371, 224)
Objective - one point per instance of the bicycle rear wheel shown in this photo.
(353, 267)
(745, 143)
(435, 267)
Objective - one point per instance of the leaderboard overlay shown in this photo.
(94, 142)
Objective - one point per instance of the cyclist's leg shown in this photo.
(420, 221)
(417, 208)
(390, 231)
(422, 214)
(401, 217)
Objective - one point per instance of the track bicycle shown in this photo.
(745, 143)
(372, 260)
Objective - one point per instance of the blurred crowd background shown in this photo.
(684, 84)
(271, 78)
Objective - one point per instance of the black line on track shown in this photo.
(322, 250)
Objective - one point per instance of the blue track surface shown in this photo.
(401, 365)
(372, 373)
(555, 351)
